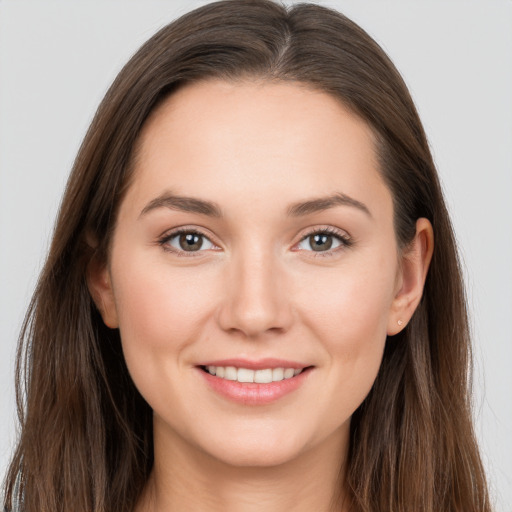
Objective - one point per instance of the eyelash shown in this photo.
(345, 241)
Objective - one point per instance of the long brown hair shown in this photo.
(86, 433)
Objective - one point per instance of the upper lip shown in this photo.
(256, 364)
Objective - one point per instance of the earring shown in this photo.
(400, 323)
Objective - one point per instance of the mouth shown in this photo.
(248, 375)
(254, 383)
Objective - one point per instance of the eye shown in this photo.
(324, 240)
(191, 241)
(186, 241)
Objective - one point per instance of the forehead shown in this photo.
(248, 138)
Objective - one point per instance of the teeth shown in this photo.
(230, 372)
(277, 374)
(245, 375)
(288, 373)
(264, 376)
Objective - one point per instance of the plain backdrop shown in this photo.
(57, 59)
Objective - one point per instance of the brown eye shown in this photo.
(190, 242)
(324, 241)
(320, 242)
(187, 241)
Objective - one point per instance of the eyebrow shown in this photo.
(184, 204)
(303, 208)
(211, 209)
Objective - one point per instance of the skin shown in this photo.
(256, 289)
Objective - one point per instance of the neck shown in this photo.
(184, 478)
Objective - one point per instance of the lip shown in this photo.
(260, 364)
(252, 393)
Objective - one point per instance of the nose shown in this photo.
(255, 299)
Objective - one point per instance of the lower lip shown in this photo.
(252, 393)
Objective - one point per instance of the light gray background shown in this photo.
(58, 58)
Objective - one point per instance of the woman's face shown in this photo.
(257, 239)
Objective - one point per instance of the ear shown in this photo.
(411, 279)
(99, 283)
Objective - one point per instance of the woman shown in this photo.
(252, 299)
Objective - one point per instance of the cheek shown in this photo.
(349, 315)
(350, 305)
(155, 309)
(161, 311)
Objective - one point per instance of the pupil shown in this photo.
(321, 242)
(190, 242)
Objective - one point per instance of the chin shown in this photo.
(257, 452)
(257, 458)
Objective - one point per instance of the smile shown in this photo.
(254, 382)
(263, 376)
